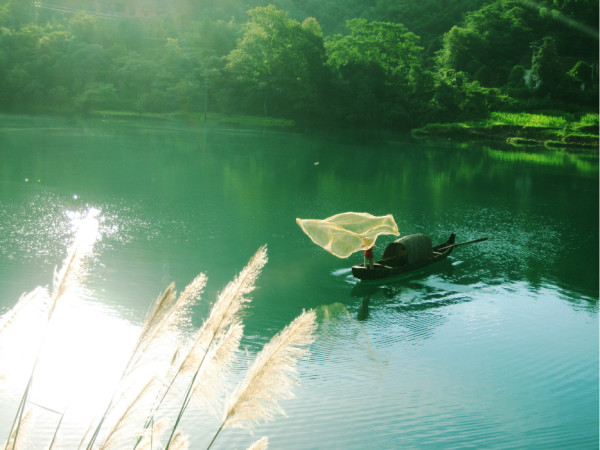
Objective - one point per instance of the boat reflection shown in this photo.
(425, 289)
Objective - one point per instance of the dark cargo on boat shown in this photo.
(407, 254)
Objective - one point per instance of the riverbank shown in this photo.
(575, 134)
(517, 130)
(213, 119)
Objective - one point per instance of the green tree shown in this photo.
(429, 19)
(388, 45)
(497, 35)
(373, 64)
(546, 69)
(24, 76)
(84, 28)
(133, 76)
(582, 72)
(581, 85)
(517, 85)
(461, 50)
(95, 96)
(15, 14)
(457, 98)
(275, 62)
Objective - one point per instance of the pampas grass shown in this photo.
(172, 361)
(261, 444)
(65, 280)
(270, 377)
(29, 312)
(120, 431)
(169, 313)
(214, 344)
(25, 422)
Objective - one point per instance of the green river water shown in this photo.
(496, 347)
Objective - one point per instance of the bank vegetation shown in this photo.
(331, 64)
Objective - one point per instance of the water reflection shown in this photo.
(363, 311)
(410, 308)
(584, 164)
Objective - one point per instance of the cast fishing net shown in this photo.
(346, 233)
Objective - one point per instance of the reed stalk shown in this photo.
(66, 278)
(151, 437)
(192, 291)
(161, 304)
(208, 355)
(130, 414)
(25, 419)
(168, 314)
(11, 321)
(55, 436)
(270, 378)
(223, 316)
(219, 359)
(24, 301)
(180, 441)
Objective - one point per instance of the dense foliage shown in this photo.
(394, 64)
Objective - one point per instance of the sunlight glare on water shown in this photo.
(80, 352)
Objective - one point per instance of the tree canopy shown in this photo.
(391, 64)
(276, 61)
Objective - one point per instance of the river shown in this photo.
(496, 347)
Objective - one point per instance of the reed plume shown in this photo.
(120, 432)
(261, 444)
(169, 313)
(270, 377)
(217, 336)
(210, 384)
(14, 314)
(199, 362)
(64, 280)
(73, 269)
(21, 318)
(152, 435)
(180, 441)
(25, 425)
(233, 299)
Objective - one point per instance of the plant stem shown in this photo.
(238, 292)
(58, 292)
(215, 436)
(131, 363)
(111, 402)
(188, 394)
(18, 417)
(56, 432)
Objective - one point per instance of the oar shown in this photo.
(462, 243)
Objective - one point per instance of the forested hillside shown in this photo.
(392, 64)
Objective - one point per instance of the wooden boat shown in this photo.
(407, 254)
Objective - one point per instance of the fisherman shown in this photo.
(369, 258)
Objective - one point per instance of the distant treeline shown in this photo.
(393, 64)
